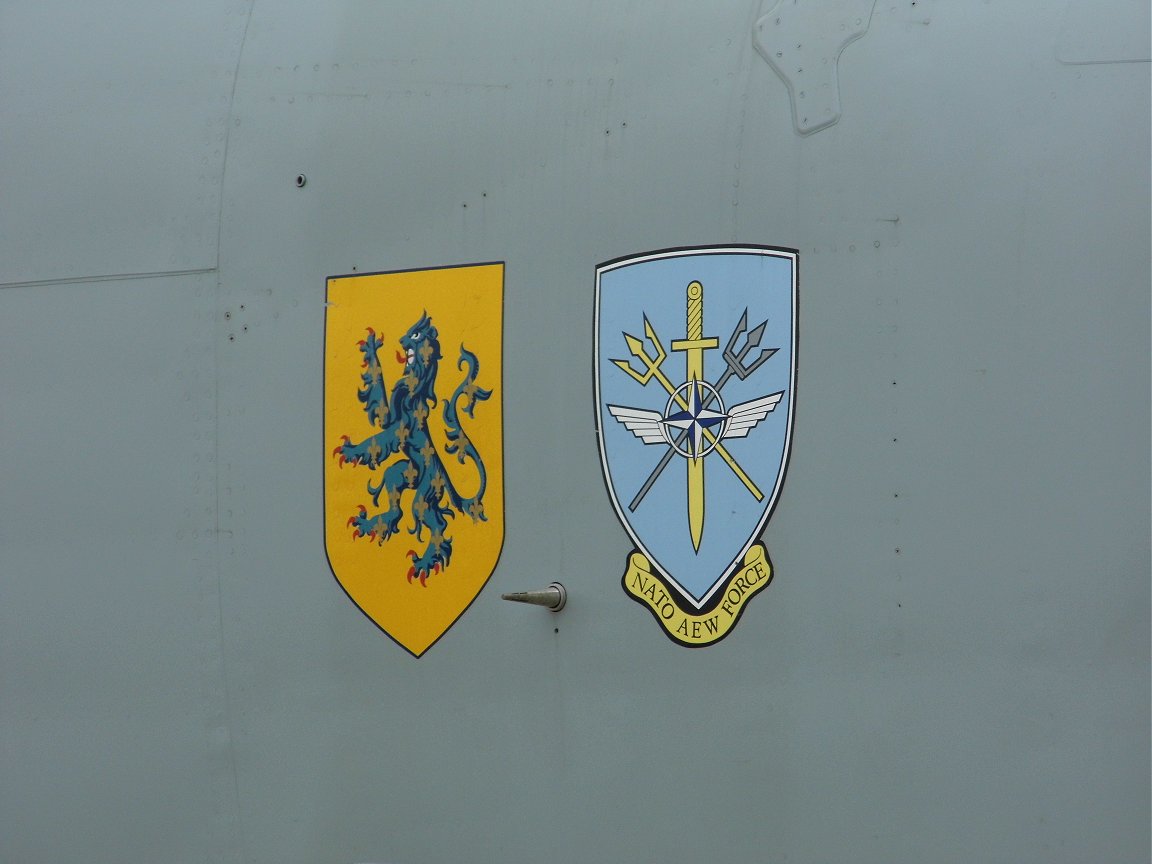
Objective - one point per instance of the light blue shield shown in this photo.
(695, 374)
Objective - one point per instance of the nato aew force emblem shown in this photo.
(414, 474)
(695, 388)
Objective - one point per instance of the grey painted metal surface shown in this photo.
(114, 136)
(952, 661)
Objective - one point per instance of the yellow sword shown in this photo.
(694, 347)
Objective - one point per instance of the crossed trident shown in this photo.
(694, 346)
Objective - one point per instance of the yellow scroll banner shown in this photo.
(696, 630)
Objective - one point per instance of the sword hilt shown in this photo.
(694, 328)
(695, 343)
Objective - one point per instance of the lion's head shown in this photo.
(420, 358)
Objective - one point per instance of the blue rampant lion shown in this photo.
(402, 419)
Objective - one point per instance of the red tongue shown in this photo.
(401, 358)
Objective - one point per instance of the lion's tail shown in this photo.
(459, 444)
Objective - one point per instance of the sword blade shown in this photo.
(696, 501)
(694, 363)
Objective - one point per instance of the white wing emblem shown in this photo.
(743, 417)
(648, 426)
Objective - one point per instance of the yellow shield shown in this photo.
(414, 443)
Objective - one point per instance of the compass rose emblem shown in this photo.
(727, 418)
(693, 419)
